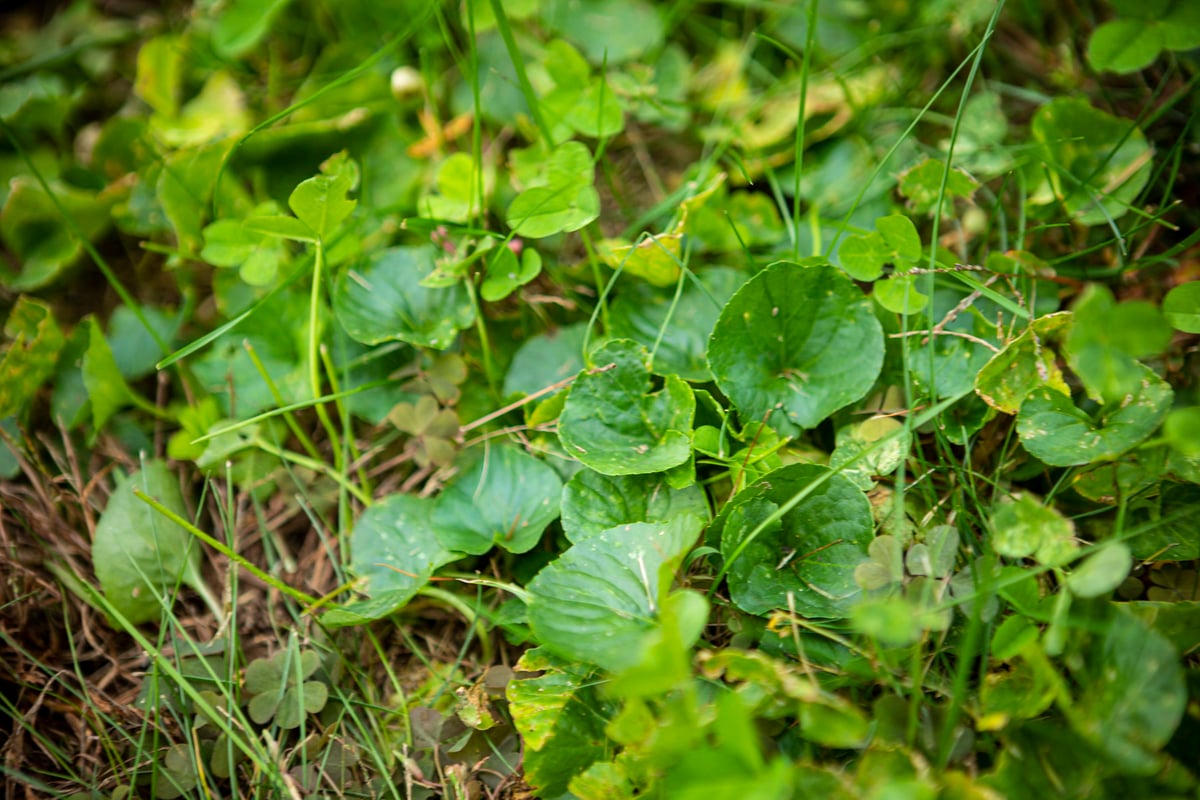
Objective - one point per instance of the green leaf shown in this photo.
(1097, 163)
(35, 341)
(133, 346)
(383, 300)
(1133, 693)
(1181, 429)
(936, 554)
(597, 601)
(257, 254)
(217, 114)
(456, 198)
(899, 294)
(560, 718)
(1025, 364)
(608, 31)
(138, 553)
(613, 422)
(802, 341)
(883, 570)
(922, 183)
(1181, 307)
(1167, 525)
(1102, 571)
(321, 202)
(1125, 45)
(505, 273)
(160, 73)
(863, 256)
(900, 234)
(853, 440)
(894, 241)
(1054, 429)
(32, 227)
(955, 361)
(565, 201)
(810, 553)
(546, 359)
(242, 25)
(656, 259)
(279, 225)
(394, 547)
(1024, 527)
(676, 331)
(184, 188)
(505, 498)
(592, 502)
(106, 389)
(1106, 337)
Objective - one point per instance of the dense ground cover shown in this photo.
(600, 398)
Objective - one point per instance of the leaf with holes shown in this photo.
(34, 344)
(1054, 429)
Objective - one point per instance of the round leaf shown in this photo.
(597, 601)
(504, 498)
(798, 340)
(592, 502)
(1054, 430)
(613, 423)
(1181, 307)
(383, 300)
(1101, 572)
(811, 552)
(1125, 45)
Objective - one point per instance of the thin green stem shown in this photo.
(288, 416)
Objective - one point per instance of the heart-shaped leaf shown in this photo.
(615, 424)
(383, 300)
(546, 359)
(811, 553)
(1024, 364)
(321, 202)
(394, 547)
(598, 600)
(796, 344)
(592, 502)
(505, 498)
(1054, 429)
(677, 331)
(1133, 691)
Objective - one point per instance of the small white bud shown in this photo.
(406, 82)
